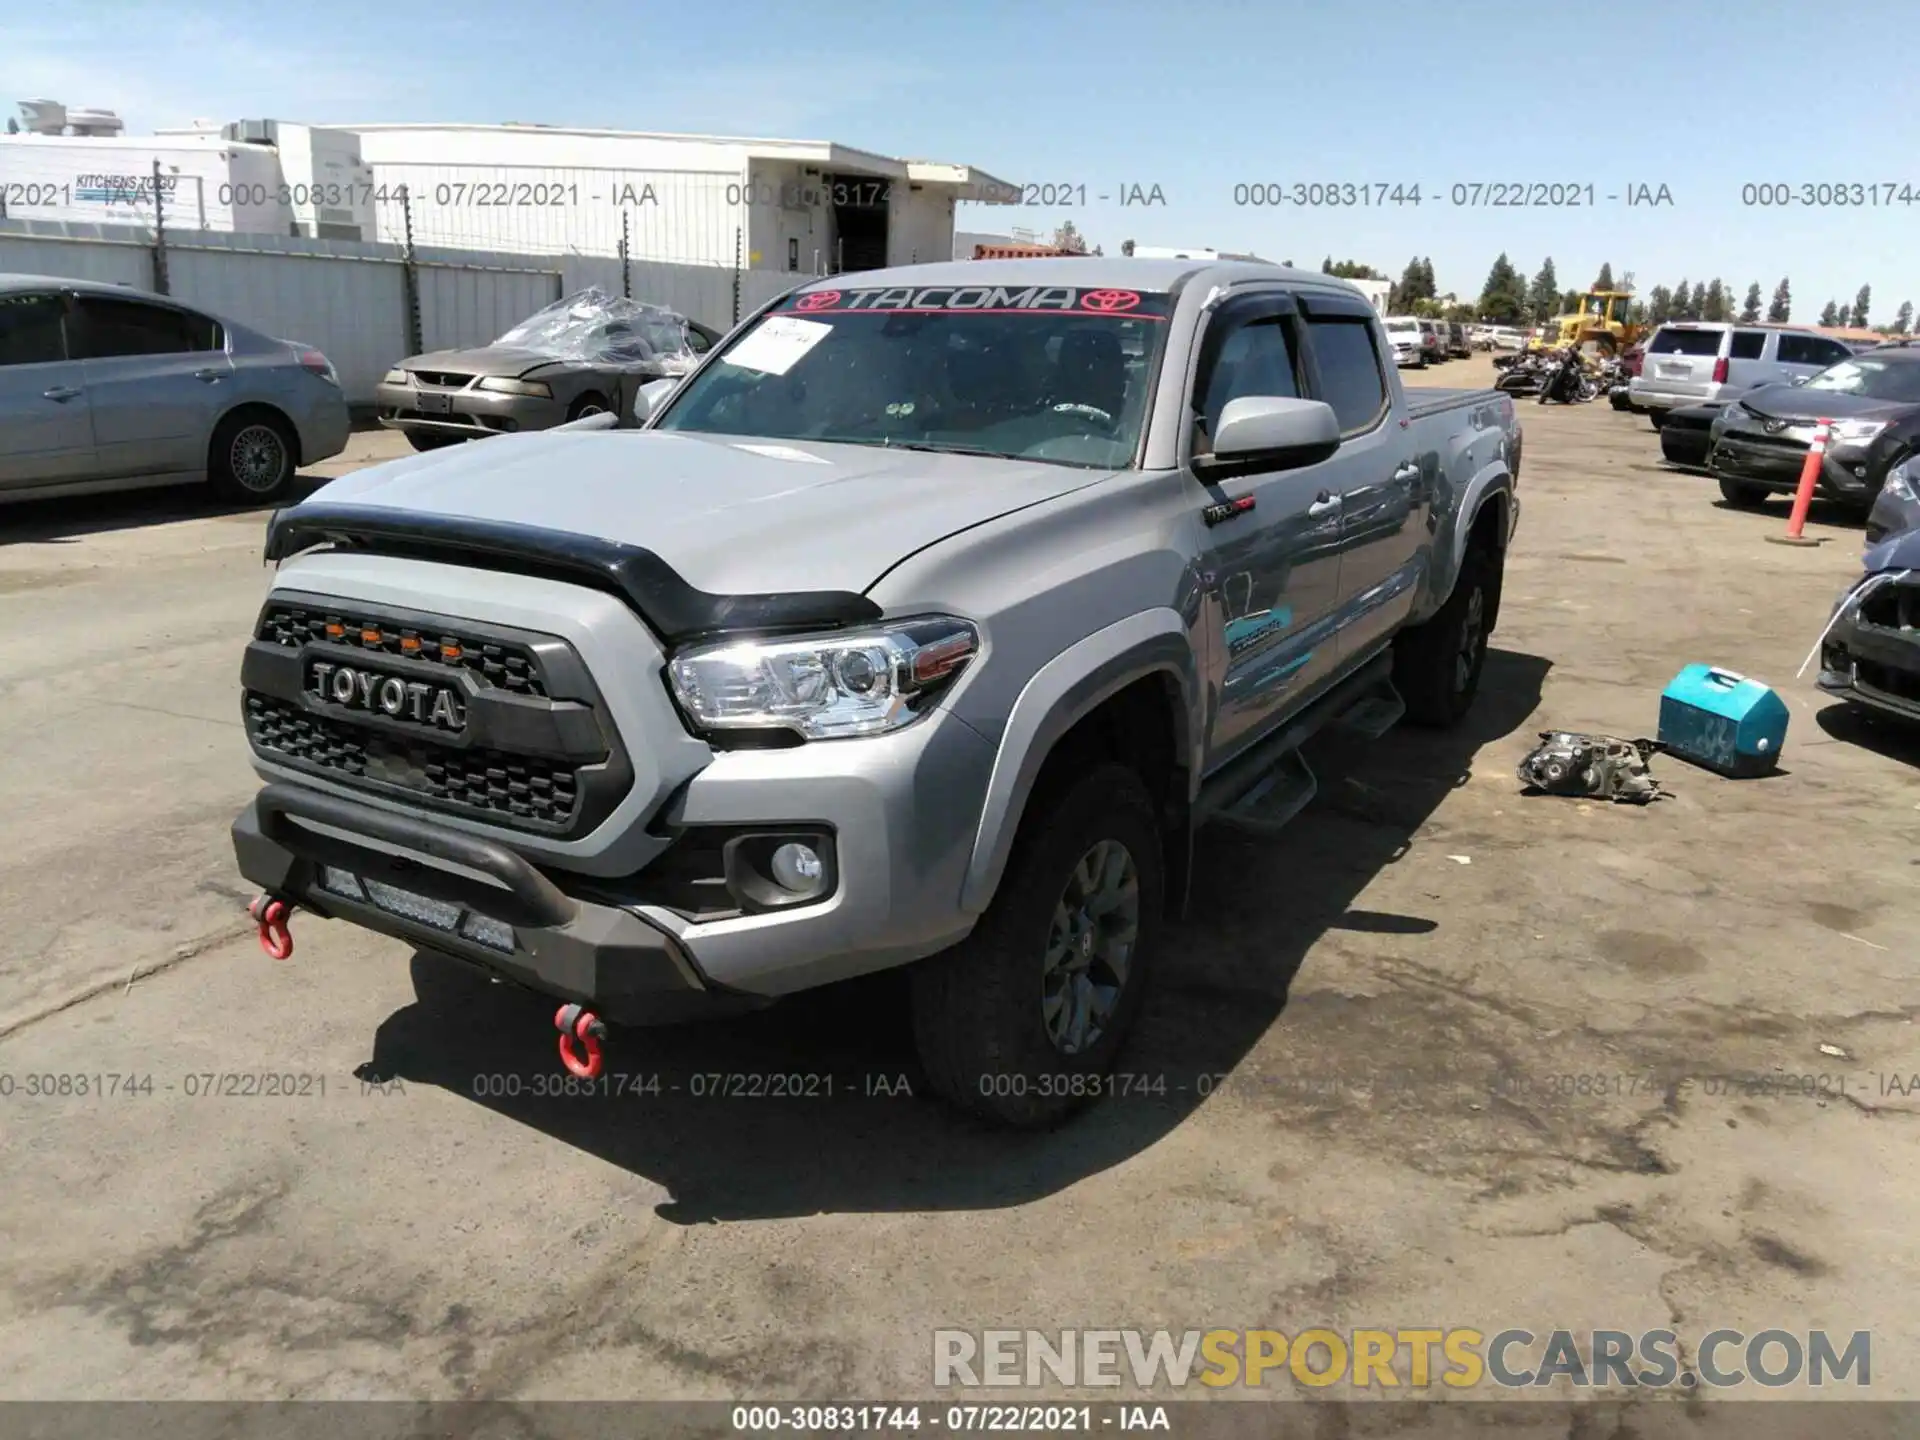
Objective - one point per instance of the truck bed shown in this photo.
(1425, 400)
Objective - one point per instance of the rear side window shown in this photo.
(1748, 344)
(30, 331)
(1685, 342)
(113, 328)
(1349, 366)
(1811, 350)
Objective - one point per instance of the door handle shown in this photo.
(1324, 504)
(1409, 471)
(212, 377)
(61, 393)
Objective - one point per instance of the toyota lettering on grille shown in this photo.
(389, 695)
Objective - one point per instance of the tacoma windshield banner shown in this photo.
(991, 299)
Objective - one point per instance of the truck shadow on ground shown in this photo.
(689, 1107)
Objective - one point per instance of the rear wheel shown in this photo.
(430, 439)
(252, 457)
(1747, 497)
(591, 403)
(1437, 665)
(1020, 1022)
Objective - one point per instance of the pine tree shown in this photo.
(1750, 310)
(1503, 297)
(1683, 308)
(1903, 318)
(1861, 303)
(1830, 315)
(1781, 310)
(1715, 306)
(1543, 296)
(1326, 266)
(1604, 280)
(1659, 305)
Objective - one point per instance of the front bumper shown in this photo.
(1771, 464)
(1871, 657)
(442, 890)
(634, 944)
(469, 413)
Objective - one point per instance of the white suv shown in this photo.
(1404, 334)
(1704, 362)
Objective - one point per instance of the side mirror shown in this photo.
(649, 398)
(1280, 432)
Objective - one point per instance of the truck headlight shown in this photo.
(824, 687)
(1856, 432)
(537, 388)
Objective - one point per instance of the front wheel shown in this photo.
(1020, 1023)
(430, 439)
(1437, 665)
(1744, 496)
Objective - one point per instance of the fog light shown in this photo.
(797, 867)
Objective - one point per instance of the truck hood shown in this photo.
(730, 514)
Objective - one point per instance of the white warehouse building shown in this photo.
(801, 206)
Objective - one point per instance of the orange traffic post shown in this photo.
(1803, 497)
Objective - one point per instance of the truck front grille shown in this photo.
(535, 749)
(512, 667)
(491, 781)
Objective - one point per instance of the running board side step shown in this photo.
(1279, 795)
(1261, 791)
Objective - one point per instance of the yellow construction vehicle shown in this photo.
(1599, 327)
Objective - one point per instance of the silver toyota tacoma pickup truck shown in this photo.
(920, 625)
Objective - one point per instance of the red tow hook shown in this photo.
(575, 1023)
(271, 916)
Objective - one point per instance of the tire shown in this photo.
(982, 1019)
(1437, 665)
(430, 439)
(1741, 495)
(252, 457)
(1658, 417)
(591, 403)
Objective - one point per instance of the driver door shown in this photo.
(1271, 546)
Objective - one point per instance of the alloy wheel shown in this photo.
(1090, 941)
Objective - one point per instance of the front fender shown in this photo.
(1060, 694)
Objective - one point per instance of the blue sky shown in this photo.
(1194, 98)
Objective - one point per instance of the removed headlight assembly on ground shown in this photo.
(1598, 767)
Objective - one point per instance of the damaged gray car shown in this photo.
(1870, 651)
(562, 363)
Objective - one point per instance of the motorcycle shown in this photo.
(1567, 381)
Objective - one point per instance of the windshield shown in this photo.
(1871, 379)
(1047, 373)
(1403, 327)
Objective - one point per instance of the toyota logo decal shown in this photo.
(1109, 301)
(818, 300)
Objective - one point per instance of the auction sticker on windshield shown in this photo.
(992, 299)
(777, 346)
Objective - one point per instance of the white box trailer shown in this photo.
(1376, 292)
(312, 183)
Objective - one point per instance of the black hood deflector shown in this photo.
(653, 589)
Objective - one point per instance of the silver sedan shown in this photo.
(104, 387)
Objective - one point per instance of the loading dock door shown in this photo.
(860, 205)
